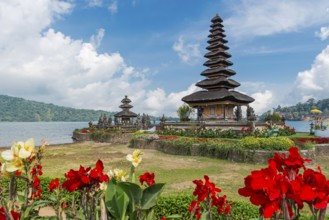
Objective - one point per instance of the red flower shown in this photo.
(208, 192)
(53, 185)
(316, 189)
(148, 178)
(203, 190)
(195, 208)
(85, 177)
(3, 216)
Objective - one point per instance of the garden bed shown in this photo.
(107, 137)
(220, 151)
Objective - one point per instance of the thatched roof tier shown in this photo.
(218, 53)
(218, 71)
(217, 28)
(216, 19)
(126, 100)
(218, 62)
(125, 113)
(216, 25)
(220, 82)
(217, 96)
(217, 46)
(125, 105)
(217, 40)
(216, 34)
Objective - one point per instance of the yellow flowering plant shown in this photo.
(22, 161)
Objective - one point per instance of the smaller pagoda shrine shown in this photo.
(125, 117)
(217, 99)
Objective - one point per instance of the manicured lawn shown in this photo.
(177, 172)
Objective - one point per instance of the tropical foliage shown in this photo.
(18, 109)
(300, 110)
(184, 112)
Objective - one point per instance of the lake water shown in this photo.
(61, 132)
(53, 132)
(300, 126)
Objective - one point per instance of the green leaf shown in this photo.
(150, 195)
(204, 216)
(110, 191)
(133, 190)
(116, 200)
(150, 215)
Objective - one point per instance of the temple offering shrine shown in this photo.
(217, 99)
(125, 117)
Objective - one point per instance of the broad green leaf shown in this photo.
(150, 214)
(122, 201)
(150, 195)
(116, 200)
(133, 191)
(110, 191)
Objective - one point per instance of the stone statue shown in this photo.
(138, 122)
(250, 114)
(238, 113)
(200, 113)
(109, 122)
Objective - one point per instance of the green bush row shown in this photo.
(271, 143)
(222, 149)
(178, 204)
(176, 147)
(101, 136)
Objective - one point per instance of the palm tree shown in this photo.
(184, 112)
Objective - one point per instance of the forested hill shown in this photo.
(302, 110)
(18, 109)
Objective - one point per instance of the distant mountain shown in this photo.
(301, 111)
(18, 109)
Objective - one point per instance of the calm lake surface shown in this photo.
(53, 132)
(300, 126)
(61, 132)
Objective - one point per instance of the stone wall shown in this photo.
(322, 149)
(247, 156)
(117, 138)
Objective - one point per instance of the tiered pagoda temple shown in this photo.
(217, 99)
(125, 117)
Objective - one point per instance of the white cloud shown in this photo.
(323, 34)
(314, 82)
(187, 52)
(95, 3)
(158, 102)
(263, 101)
(261, 18)
(96, 40)
(113, 7)
(42, 64)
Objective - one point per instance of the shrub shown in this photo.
(271, 143)
(170, 205)
(177, 147)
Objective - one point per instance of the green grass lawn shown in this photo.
(177, 172)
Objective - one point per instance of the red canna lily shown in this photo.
(148, 178)
(85, 177)
(54, 185)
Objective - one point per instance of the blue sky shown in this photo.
(90, 53)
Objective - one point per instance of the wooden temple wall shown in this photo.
(217, 111)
